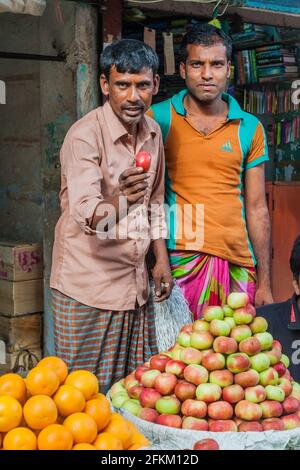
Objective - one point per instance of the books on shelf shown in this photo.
(269, 101)
(283, 132)
(267, 70)
(275, 60)
(287, 130)
(280, 77)
(265, 64)
(260, 63)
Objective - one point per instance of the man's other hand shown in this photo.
(163, 282)
(263, 296)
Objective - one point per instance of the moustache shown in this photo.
(138, 106)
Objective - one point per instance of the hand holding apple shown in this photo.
(133, 184)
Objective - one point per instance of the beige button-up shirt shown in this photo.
(97, 270)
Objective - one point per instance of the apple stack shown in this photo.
(225, 373)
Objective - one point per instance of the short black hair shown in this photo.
(204, 34)
(295, 258)
(128, 55)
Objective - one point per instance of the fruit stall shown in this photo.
(52, 409)
(225, 379)
(224, 384)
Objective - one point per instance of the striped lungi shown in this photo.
(208, 280)
(111, 344)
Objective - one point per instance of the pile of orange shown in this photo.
(53, 410)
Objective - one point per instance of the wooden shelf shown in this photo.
(266, 44)
(271, 82)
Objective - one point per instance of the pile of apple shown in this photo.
(224, 373)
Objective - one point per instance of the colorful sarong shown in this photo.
(111, 344)
(207, 280)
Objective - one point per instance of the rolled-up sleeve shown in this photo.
(259, 148)
(81, 168)
(158, 228)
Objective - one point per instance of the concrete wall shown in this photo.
(41, 104)
(68, 91)
(20, 148)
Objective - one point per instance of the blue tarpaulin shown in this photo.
(287, 6)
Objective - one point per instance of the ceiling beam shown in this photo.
(250, 15)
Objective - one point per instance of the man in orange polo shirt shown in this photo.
(219, 228)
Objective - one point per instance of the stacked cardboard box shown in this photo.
(21, 301)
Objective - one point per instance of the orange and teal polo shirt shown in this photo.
(208, 170)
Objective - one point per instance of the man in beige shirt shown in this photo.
(111, 213)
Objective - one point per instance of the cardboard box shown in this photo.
(20, 298)
(20, 261)
(21, 332)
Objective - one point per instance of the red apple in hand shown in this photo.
(143, 160)
(206, 444)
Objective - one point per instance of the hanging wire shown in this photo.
(216, 13)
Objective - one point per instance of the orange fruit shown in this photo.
(108, 441)
(138, 439)
(85, 381)
(97, 395)
(135, 447)
(10, 413)
(119, 427)
(57, 365)
(99, 410)
(132, 426)
(42, 381)
(20, 439)
(14, 386)
(55, 437)
(82, 427)
(84, 447)
(133, 432)
(68, 400)
(40, 411)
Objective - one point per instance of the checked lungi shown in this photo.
(208, 280)
(111, 344)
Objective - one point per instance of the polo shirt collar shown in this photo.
(234, 109)
(177, 102)
(116, 128)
